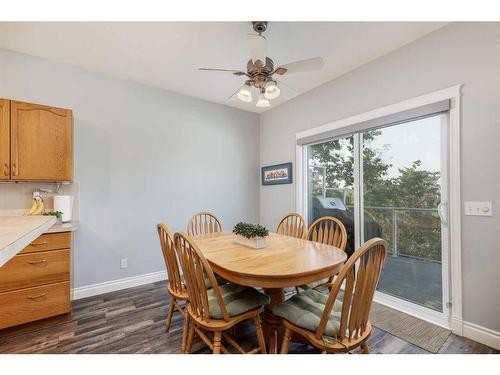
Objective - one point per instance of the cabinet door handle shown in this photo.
(38, 296)
(39, 244)
(5, 169)
(14, 170)
(37, 261)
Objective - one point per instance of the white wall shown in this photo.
(142, 156)
(467, 53)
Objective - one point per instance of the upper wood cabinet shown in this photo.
(4, 139)
(41, 142)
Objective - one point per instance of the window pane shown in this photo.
(330, 183)
(401, 193)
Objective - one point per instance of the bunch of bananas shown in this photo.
(37, 208)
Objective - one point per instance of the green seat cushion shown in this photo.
(314, 284)
(305, 310)
(237, 298)
(220, 281)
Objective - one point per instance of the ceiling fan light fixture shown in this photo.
(262, 101)
(272, 90)
(245, 93)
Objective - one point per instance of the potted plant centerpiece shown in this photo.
(251, 235)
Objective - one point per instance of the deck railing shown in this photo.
(392, 221)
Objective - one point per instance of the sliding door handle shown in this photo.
(443, 212)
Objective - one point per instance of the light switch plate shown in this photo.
(478, 208)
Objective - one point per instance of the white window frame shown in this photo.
(455, 320)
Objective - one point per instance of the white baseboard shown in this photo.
(457, 325)
(483, 335)
(113, 285)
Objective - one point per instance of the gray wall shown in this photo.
(467, 53)
(142, 156)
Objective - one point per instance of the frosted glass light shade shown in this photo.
(272, 90)
(262, 101)
(245, 94)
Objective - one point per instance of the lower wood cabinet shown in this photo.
(27, 305)
(49, 241)
(35, 284)
(29, 270)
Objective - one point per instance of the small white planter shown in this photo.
(254, 243)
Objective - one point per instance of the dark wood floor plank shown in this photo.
(461, 345)
(133, 321)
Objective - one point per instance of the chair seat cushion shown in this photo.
(305, 310)
(220, 281)
(314, 284)
(237, 298)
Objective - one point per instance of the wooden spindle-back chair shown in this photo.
(195, 268)
(354, 326)
(292, 225)
(330, 231)
(202, 223)
(175, 285)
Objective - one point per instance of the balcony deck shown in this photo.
(414, 280)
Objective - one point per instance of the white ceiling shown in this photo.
(167, 54)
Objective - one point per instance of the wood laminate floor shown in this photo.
(133, 321)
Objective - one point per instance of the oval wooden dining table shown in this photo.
(284, 262)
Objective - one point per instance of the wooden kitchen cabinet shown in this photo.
(35, 284)
(4, 139)
(31, 304)
(41, 142)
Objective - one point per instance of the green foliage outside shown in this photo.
(413, 187)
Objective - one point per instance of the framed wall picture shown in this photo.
(277, 174)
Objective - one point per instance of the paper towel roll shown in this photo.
(64, 203)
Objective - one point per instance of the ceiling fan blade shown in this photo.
(306, 65)
(233, 95)
(235, 72)
(257, 46)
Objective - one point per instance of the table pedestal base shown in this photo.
(272, 323)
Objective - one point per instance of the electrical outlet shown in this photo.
(124, 263)
(478, 208)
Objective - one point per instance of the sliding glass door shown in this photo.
(401, 179)
(390, 182)
(331, 183)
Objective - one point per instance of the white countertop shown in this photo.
(64, 227)
(17, 232)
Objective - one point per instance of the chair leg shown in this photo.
(260, 335)
(185, 329)
(217, 341)
(189, 342)
(170, 312)
(364, 348)
(286, 340)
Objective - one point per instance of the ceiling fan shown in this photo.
(261, 70)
